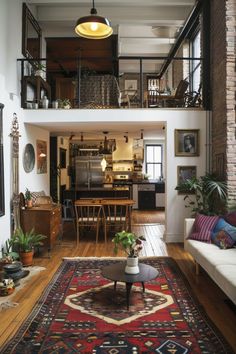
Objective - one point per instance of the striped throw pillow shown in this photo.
(202, 227)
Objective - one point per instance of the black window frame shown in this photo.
(154, 163)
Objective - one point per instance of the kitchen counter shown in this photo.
(148, 181)
(97, 192)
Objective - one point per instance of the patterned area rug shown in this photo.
(80, 312)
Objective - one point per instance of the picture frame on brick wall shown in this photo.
(186, 142)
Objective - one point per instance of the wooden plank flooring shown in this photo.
(210, 296)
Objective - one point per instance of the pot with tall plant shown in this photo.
(132, 245)
(28, 198)
(205, 195)
(25, 243)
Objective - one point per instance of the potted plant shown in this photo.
(132, 245)
(64, 103)
(38, 69)
(8, 255)
(25, 243)
(205, 195)
(28, 198)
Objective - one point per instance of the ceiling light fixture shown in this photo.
(126, 137)
(81, 137)
(93, 26)
(141, 135)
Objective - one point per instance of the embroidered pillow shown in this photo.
(202, 227)
(231, 218)
(224, 234)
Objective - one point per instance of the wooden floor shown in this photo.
(150, 224)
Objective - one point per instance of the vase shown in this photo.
(132, 265)
(29, 203)
(45, 102)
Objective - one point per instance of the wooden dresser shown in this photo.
(45, 219)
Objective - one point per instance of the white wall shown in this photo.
(33, 181)
(10, 39)
(10, 13)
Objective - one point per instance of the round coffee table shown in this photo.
(116, 272)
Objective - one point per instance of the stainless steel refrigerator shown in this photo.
(88, 171)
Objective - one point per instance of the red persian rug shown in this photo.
(80, 312)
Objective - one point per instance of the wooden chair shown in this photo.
(68, 213)
(124, 100)
(88, 216)
(117, 217)
(153, 99)
(178, 100)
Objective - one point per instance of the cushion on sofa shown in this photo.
(224, 234)
(34, 195)
(202, 227)
(231, 218)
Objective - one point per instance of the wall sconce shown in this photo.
(141, 135)
(126, 138)
(81, 137)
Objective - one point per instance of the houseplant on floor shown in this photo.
(25, 243)
(132, 245)
(205, 195)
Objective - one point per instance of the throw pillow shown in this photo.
(224, 234)
(34, 195)
(231, 218)
(202, 227)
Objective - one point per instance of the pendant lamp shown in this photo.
(93, 26)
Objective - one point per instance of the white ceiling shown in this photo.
(144, 28)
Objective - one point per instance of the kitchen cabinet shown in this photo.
(146, 196)
(45, 219)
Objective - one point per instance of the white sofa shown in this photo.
(220, 264)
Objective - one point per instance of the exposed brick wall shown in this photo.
(223, 78)
(230, 98)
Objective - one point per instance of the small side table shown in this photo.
(116, 272)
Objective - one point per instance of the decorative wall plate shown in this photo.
(28, 158)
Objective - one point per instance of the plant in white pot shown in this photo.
(132, 245)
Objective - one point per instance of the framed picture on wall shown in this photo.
(131, 85)
(41, 156)
(184, 173)
(186, 142)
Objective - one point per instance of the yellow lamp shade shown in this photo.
(93, 27)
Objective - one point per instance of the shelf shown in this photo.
(38, 84)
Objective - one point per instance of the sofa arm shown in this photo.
(188, 225)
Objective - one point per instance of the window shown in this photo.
(154, 161)
(195, 70)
